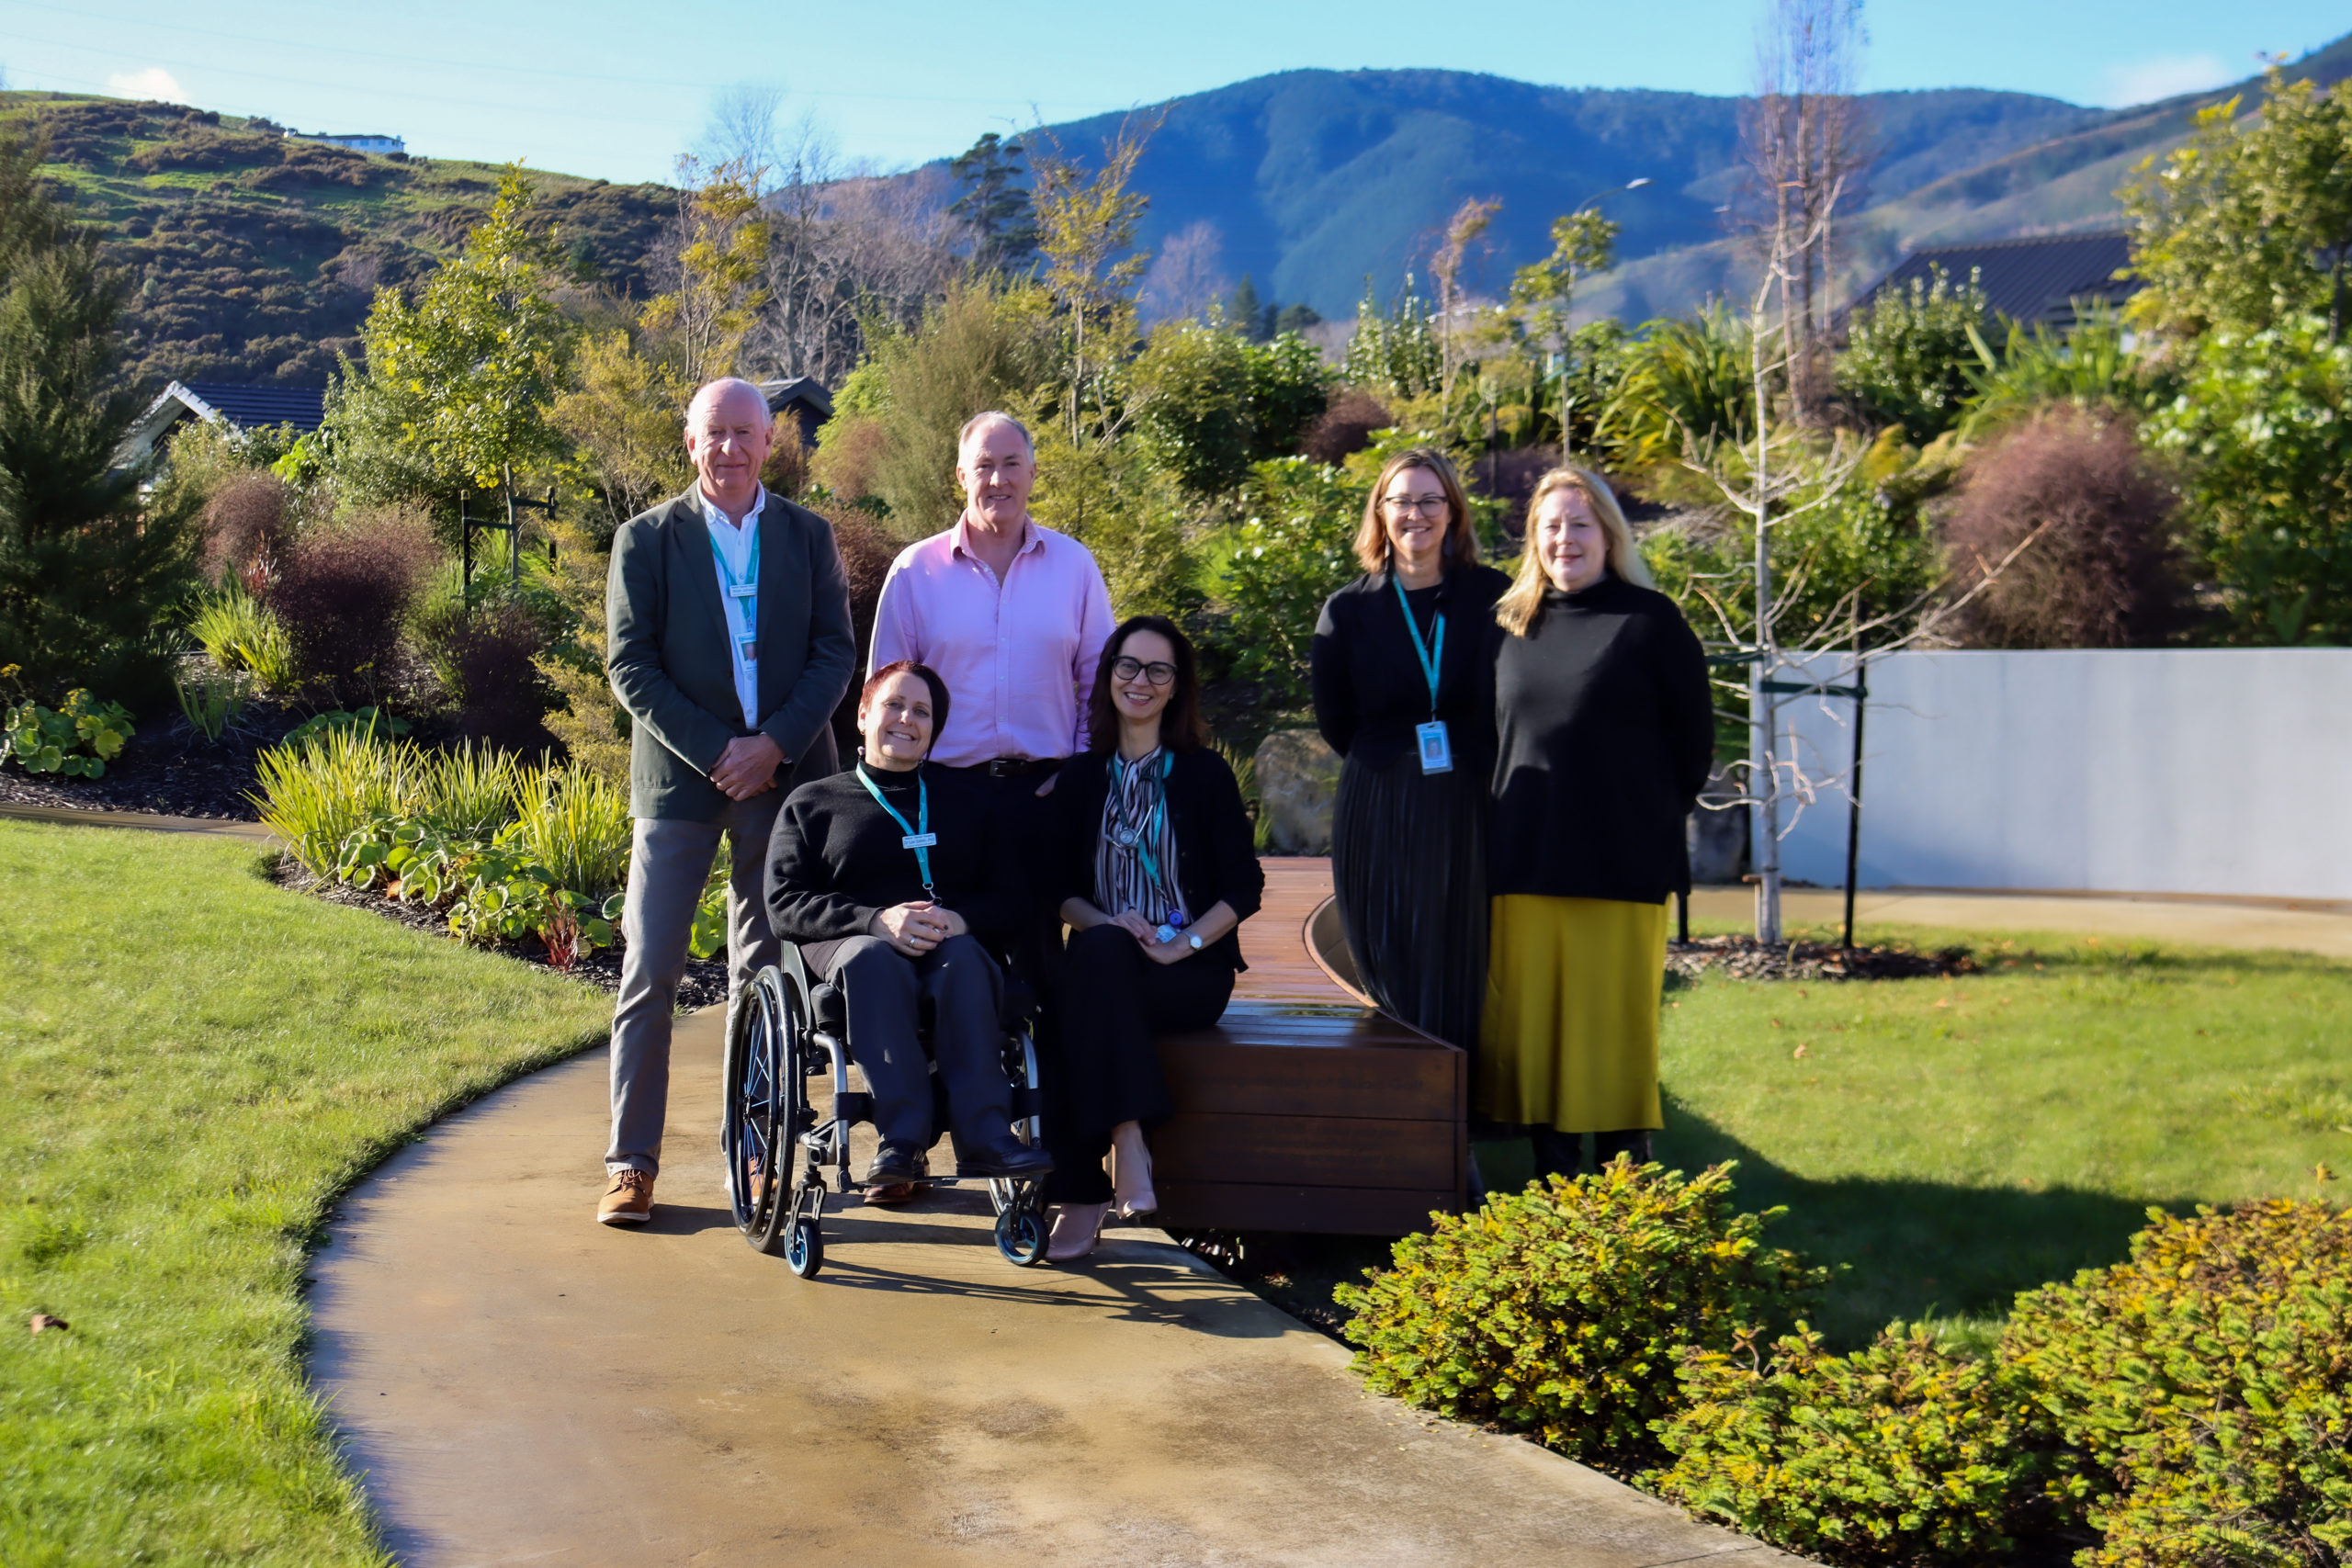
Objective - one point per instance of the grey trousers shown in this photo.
(885, 992)
(668, 862)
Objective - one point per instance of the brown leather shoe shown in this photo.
(629, 1201)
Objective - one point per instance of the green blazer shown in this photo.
(666, 652)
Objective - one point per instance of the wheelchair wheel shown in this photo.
(764, 1099)
(804, 1247)
(1020, 1231)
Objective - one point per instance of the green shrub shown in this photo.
(211, 703)
(339, 721)
(492, 889)
(1289, 553)
(577, 824)
(1910, 352)
(77, 741)
(1564, 1311)
(241, 633)
(2205, 1387)
(1210, 403)
(316, 793)
(468, 794)
(1902, 1453)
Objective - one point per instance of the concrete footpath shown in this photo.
(520, 1384)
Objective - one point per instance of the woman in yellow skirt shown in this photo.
(1605, 732)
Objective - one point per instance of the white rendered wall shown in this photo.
(2207, 771)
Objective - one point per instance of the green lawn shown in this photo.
(1952, 1142)
(192, 1065)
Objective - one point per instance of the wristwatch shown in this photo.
(1194, 938)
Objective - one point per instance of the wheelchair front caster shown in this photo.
(1021, 1235)
(804, 1248)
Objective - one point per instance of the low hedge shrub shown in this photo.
(1902, 1453)
(1564, 1311)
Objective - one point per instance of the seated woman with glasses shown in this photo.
(1155, 869)
(892, 877)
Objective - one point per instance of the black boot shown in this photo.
(1556, 1153)
(1634, 1145)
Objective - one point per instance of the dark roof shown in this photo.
(2037, 281)
(250, 407)
(804, 390)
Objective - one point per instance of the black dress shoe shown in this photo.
(896, 1168)
(1015, 1162)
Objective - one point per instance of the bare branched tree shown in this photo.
(1187, 276)
(744, 129)
(1808, 149)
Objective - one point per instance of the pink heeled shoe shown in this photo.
(1074, 1230)
(1131, 1182)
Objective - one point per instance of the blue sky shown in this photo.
(603, 88)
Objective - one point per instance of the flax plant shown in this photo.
(315, 796)
(576, 824)
(466, 794)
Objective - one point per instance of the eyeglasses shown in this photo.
(1125, 669)
(1406, 505)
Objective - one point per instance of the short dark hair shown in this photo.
(1180, 728)
(929, 678)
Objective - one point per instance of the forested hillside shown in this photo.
(252, 258)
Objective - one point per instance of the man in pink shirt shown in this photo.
(1011, 614)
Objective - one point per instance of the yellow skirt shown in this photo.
(1568, 1038)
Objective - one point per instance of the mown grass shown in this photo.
(193, 1063)
(1952, 1142)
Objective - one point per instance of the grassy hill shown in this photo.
(252, 257)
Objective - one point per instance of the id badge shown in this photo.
(1437, 750)
(919, 841)
(750, 649)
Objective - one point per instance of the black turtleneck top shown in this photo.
(1605, 734)
(1370, 688)
(835, 857)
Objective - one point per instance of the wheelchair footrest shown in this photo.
(854, 1105)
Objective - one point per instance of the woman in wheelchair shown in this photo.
(1154, 869)
(894, 883)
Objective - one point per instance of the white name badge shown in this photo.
(919, 841)
(1437, 750)
(743, 590)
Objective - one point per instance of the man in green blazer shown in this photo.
(730, 646)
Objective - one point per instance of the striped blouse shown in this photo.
(1135, 820)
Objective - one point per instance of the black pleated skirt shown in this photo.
(1408, 865)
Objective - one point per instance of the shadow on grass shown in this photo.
(1914, 1250)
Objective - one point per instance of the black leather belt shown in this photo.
(1017, 767)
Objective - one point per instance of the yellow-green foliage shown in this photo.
(576, 824)
(2204, 1388)
(241, 633)
(1904, 1452)
(315, 796)
(1564, 1311)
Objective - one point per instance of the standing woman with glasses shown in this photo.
(1154, 870)
(1400, 693)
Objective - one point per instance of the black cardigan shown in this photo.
(834, 858)
(1369, 688)
(1606, 731)
(1215, 860)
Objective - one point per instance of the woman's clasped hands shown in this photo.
(917, 928)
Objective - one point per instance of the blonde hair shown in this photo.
(1461, 545)
(1517, 609)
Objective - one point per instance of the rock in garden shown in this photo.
(1298, 781)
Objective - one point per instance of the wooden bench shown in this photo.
(1307, 1109)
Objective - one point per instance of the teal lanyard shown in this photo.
(923, 815)
(745, 593)
(1430, 657)
(1150, 836)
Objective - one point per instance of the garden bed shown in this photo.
(170, 774)
(1745, 958)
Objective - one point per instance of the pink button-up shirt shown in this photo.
(1018, 655)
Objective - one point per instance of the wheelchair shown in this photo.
(791, 1028)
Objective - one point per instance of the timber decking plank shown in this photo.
(1207, 1074)
(1304, 1151)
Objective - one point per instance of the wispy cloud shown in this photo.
(2145, 81)
(152, 83)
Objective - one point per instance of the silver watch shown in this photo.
(1194, 938)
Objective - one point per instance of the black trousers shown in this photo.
(887, 993)
(1109, 1003)
(1017, 813)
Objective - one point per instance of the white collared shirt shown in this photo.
(730, 548)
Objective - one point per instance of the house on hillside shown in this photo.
(2051, 280)
(237, 409)
(364, 142)
(804, 398)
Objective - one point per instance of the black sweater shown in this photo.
(1215, 861)
(834, 858)
(1606, 733)
(1369, 687)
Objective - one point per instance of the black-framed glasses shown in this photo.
(1158, 673)
(1406, 505)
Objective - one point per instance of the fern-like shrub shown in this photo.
(2204, 1388)
(1902, 1453)
(1564, 1311)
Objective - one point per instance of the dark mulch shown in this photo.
(1745, 958)
(1294, 1272)
(705, 985)
(166, 769)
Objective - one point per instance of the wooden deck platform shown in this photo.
(1307, 1109)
